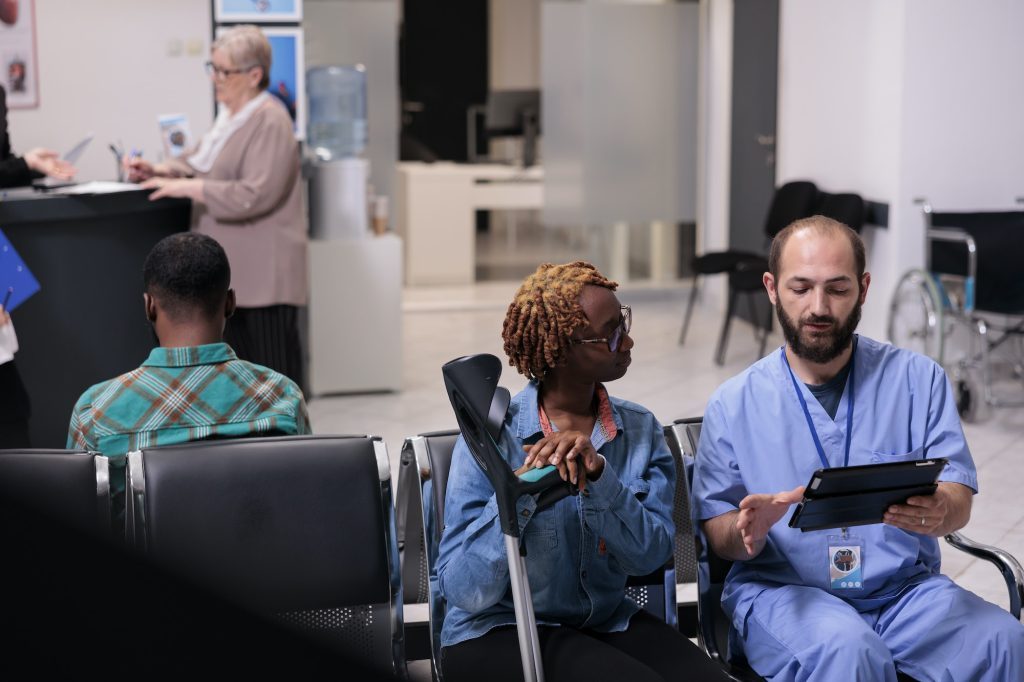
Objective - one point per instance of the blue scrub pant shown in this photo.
(933, 631)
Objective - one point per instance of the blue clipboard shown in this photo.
(16, 279)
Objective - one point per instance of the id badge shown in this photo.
(845, 563)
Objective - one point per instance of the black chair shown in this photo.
(747, 276)
(846, 207)
(433, 457)
(791, 201)
(72, 487)
(409, 506)
(714, 624)
(299, 529)
(684, 549)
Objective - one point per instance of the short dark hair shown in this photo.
(822, 225)
(188, 273)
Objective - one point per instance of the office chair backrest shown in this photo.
(300, 529)
(70, 486)
(791, 201)
(846, 208)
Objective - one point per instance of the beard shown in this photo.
(820, 347)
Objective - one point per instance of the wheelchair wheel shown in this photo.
(915, 315)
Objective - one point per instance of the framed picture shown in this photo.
(18, 53)
(287, 71)
(259, 11)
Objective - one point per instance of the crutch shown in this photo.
(480, 406)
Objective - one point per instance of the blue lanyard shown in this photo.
(807, 413)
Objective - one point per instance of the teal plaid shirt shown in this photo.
(185, 394)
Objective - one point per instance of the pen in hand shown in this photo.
(7, 298)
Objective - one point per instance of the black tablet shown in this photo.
(859, 495)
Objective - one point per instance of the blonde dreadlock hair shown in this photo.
(544, 314)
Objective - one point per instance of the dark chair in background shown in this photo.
(299, 529)
(746, 277)
(714, 624)
(72, 487)
(791, 201)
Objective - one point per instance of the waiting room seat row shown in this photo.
(303, 530)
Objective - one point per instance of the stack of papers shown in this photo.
(97, 187)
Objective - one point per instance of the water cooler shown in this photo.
(336, 141)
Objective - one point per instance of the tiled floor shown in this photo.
(673, 381)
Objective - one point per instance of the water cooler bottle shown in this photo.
(336, 139)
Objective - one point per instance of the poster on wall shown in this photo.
(18, 53)
(287, 72)
(259, 11)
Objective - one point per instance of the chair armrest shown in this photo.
(1011, 569)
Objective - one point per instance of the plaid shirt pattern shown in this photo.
(186, 394)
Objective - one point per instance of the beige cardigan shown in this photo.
(253, 207)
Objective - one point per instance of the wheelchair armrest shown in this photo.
(1011, 569)
(959, 236)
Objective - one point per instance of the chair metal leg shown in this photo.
(694, 290)
(723, 337)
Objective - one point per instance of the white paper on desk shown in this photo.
(97, 187)
(8, 343)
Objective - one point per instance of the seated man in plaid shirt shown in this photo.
(192, 386)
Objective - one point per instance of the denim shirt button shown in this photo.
(583, 574)
(526, 512)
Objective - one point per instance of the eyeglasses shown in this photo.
(613, 341)
(222, 74)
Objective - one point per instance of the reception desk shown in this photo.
(86, 324)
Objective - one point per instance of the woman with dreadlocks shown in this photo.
(568, 334)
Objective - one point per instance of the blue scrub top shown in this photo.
(755, 439)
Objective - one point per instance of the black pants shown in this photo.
(268, 336)
(649, 650)
(14, 408)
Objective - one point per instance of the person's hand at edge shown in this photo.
(48, 162)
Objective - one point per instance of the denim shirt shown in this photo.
(579, 551)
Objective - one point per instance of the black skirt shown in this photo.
(14, 408)
(270, 337)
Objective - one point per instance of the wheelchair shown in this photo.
(965, 309)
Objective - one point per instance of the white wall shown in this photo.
(839, 112)
(714, 130)
(899, 99)
(105, 67)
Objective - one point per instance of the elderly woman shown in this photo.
(567, 332)
(243, 180)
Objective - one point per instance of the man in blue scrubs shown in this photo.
(842, 604)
